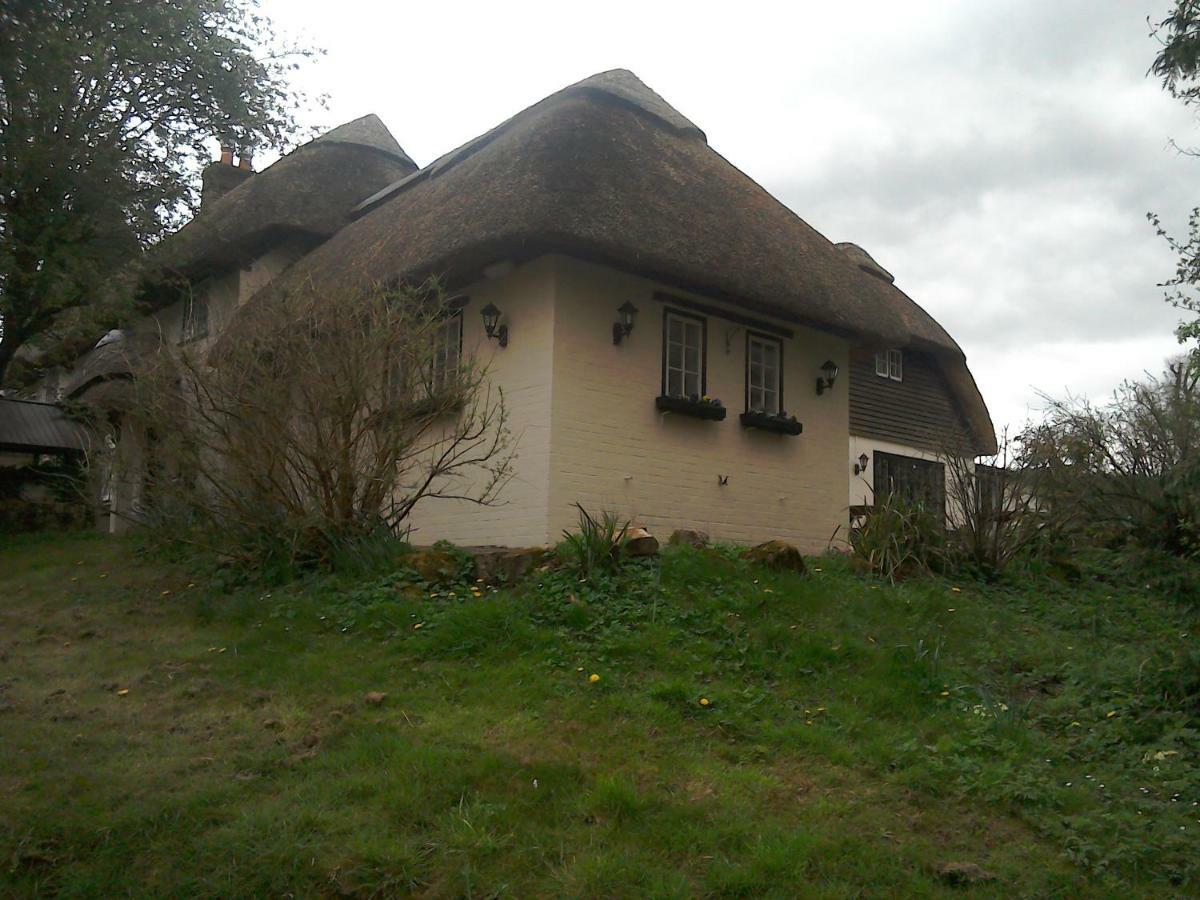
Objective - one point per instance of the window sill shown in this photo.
(767, 422)
(698, 409)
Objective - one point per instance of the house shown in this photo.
(638, 277)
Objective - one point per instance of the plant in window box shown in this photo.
(697, 406)
(780, 422)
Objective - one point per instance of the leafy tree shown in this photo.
(1178, 65)
(105, 108)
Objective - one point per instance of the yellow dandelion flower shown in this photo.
(593, 678)
(704, 701)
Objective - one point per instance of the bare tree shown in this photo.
(317, 417)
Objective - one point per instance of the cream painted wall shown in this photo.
(611, 449)
(522, 370)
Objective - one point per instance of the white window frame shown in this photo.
(683, 376)
(764, 390)
(446, 356)
(890, 364)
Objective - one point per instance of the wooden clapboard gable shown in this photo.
(920, 410)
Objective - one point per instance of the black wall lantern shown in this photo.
(861, 465)
(831, 372)
(491, 319)
(623, 327)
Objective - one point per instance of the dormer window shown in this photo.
(890, 364)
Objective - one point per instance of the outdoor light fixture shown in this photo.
(491, 319)
(831, 371)
(861, 465)
(623, 327)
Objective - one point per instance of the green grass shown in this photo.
(858, 736)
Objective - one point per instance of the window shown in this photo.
(447, 351)
(684, 339)
(919, 480)
(195, 318)
(764, 374)
(890, 364)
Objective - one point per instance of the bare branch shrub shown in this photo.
(995, 506)
(319, 417)
(1128, 470)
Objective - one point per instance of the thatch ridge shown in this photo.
(366, 131)
(618, 85)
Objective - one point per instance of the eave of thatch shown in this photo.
(606, 170)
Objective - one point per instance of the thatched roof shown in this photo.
(607, 170)
(307, 193)
(112, 359)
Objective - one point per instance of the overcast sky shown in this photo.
(998, 158)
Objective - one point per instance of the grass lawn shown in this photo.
(161, 734)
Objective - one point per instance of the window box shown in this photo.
(698, 407)
(435, 406)
(780, 423)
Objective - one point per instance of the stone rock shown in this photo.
(374, 698)
(776, 555)
(504, 565)
(964, 873)
(687, 537)
(640, 542)
(435, 566)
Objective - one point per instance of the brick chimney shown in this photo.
(221, 177)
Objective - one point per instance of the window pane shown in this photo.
(895, 360)
(881, 364)
(762, 375)
(684, 352)
(674, 382)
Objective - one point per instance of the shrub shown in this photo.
(597, 547)
(898, 537)
(1127, 472)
